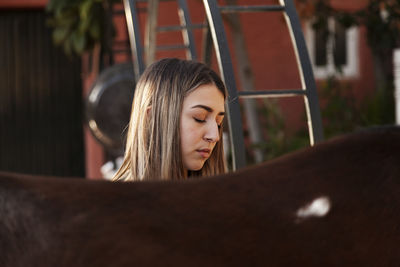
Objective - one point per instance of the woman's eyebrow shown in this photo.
(208, 109)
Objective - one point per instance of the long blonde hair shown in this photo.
(153, 147)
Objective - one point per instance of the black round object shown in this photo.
(108, 106)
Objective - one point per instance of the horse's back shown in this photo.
(333, 204)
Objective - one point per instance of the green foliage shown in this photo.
(342, 114)
(382, 20)
(380, 17)
(78, 24)
(278, 140)
(379, 108)
(339, 111)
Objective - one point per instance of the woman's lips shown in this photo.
(205, 153)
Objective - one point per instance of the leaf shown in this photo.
(85, 9)
(85, 24)
(60, 34)
(78, 42)
(56, 5)
(67, 18)
(77, 24)
(95, 31)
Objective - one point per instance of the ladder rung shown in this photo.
(145, 1)
(120, 12)
(254, 8)
(172, 47)
(180, 27)
(271, 93)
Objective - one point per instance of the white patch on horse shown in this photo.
(319, 207)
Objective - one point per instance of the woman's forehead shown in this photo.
(206, 95)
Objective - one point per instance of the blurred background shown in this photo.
(67, 78)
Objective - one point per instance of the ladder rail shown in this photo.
(187, 30)
(132, 24)
(150, 40)
(227, 75)
(306, 74)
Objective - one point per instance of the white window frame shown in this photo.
(350, 69)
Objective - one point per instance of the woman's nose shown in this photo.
(212, 133)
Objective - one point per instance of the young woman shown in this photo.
(175, 128)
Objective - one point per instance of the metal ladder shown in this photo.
(308, 90)
(151, 30)
(214, 18)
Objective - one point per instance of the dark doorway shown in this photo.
(40, 99)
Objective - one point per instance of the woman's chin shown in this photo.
(195, 166)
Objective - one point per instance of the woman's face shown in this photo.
(202, 114)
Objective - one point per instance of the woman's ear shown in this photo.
(148, 110)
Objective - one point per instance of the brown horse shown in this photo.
(335, 204)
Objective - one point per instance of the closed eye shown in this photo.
(203, 121)
(199, 121)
